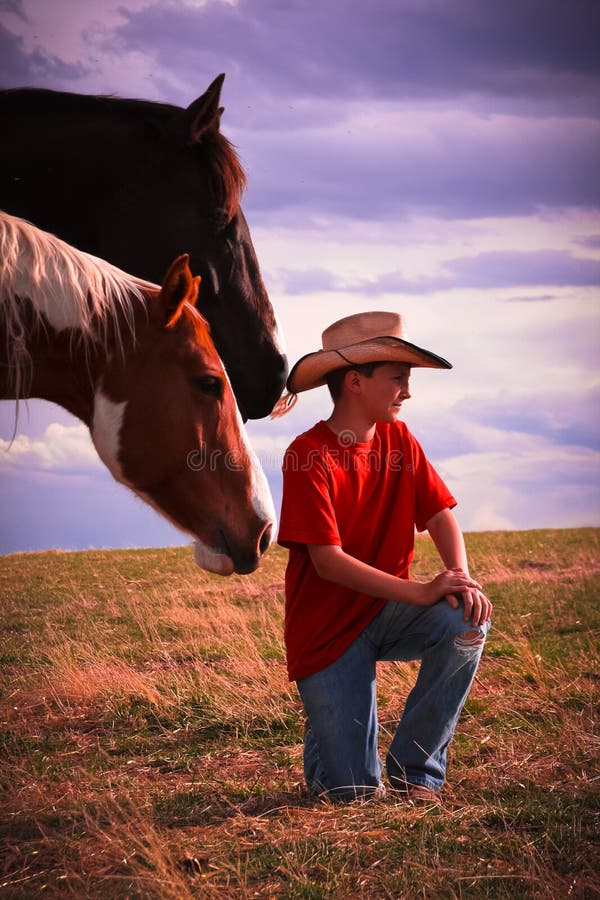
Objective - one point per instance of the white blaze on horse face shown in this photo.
(262, 501)
(106, 432)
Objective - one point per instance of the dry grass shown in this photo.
(151, 743)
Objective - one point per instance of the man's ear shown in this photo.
(352, 381)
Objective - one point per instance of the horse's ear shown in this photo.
(204, 114)
(179, 287)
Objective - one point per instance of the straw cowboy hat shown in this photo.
(363, 338)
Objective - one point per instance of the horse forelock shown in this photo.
(66, 289)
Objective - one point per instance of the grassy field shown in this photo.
(151, 743)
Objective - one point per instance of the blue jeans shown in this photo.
(340, 747)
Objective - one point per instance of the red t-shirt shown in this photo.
(367, 499)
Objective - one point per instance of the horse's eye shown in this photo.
(219, 220)
(209, 385)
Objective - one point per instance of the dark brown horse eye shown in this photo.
(219, 220)
(210, 385)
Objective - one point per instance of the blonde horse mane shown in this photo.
(66, 288)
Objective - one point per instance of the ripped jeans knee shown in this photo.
(469, 643)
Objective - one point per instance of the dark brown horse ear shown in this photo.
(204, 114)
(179, 287)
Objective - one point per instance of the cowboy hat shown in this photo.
(367, 337)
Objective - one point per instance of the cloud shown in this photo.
(534, 298)
(503, 269)
(515, 56)
(306, 281)
(65, 449)
(14, 61)
(270, 445)
(588, 242)
(536, 48)
(19, 68)
(564, 419)
(521, 481)
(534, 490)
(57, 493)
(15, 7)
(484, 271)
(50, 509)
(390, 164)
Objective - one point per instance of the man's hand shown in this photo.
(450, 582)
(454, 585)
(477, 606)
(448, 539)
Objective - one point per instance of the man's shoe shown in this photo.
(417, 793)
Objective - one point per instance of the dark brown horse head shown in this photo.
(139, 183)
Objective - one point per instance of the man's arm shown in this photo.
(448, 538)
(333, 564)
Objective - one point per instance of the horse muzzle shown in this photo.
(232, 557)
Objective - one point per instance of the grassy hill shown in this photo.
(151, 743)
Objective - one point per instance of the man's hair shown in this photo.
(335, 379)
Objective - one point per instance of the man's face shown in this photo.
(385, 390)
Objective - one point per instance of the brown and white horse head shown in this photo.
(137, 364)
(166, 424)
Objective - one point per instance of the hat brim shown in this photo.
(311, 371)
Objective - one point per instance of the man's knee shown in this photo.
(470, 643)
(468, 639)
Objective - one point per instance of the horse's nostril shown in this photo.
(265, 539)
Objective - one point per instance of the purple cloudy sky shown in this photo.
(435, 157)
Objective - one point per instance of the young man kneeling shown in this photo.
(354, 488)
